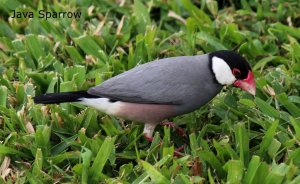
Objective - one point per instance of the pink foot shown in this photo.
(177, 151)
(180, 131)
(148, 137)
(168, 124)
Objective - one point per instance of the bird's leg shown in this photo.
(148, 131)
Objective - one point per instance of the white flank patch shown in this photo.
(102, 104)
(222, 71)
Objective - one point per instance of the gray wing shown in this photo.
(174, 80)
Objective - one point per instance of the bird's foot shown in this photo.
(177, 151)
(168, 124)
(148, 137)
(148, 132)
(179, 130)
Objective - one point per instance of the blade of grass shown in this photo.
(90, 46)
(142, 16)
(101, 158)
(35, 47)
(235, 171)
(212, 41)
(268, 138)
(292, 108)
(10, 151)
(86, 161)
(242, 142)
(154, 174)
(38, 163)
(266, 108)
(3, 96)
(252, 170)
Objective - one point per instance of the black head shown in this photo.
(231, 68)
(238, 65)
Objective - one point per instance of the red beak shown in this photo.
(247, 84)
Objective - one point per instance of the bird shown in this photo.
(152, 92)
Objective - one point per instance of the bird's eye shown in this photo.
(236, 72)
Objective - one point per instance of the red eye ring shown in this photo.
(236, 72)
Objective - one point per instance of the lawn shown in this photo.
(236, 138)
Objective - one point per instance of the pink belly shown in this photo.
(147, 113)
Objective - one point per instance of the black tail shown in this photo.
(53, 98)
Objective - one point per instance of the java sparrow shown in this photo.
(164, 88)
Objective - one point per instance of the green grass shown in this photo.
(236, 138)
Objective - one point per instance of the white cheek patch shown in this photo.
(222, 71)
(102, 104)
